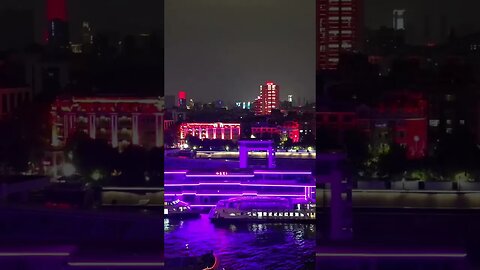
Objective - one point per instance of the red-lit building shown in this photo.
(290, 129)
(57, 33)
(339, 23)
(223, 131)
(182, 99)
(119, 120)
(268, 100)
(402, 118)
(12, 98)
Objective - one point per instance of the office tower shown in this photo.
(339, 23)
(182, 99)
(268, 100)
(399, 19)
(58, 36)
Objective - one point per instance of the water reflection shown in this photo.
(243, 246)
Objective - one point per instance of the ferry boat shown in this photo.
(263, 209)
(178, 209)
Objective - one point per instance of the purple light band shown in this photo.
(202, 205)
(283, 172)
(241, 184)
(220, 175)
(175, 172)
(133, 188)
(236, 194)
(96, 264)
(34, 254)
(390, 255)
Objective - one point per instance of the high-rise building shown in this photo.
(57, 23)
(182, 99)
(268, 100)
(290, 98)
(399, 19)
(339, 24)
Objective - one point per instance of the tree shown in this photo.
(394, 161)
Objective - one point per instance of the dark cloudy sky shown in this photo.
(224, 49)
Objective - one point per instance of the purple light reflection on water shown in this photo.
(248, 246)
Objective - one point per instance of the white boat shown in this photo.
(178, 208)
(263, 209)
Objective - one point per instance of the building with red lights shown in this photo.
(119, 120)
(182, 99)
(223, 131)
(339, 23)
(57, 34)
(268, 100)
(291, 129)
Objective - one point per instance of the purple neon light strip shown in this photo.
(97, 264)
(202, 205)
(241, 184)
(175, 172)
(34, 254)
(283, 172)
(390, 255)
(219, 175)
(235, 194)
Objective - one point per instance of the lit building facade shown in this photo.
(268, 100)
(338, 25)
(57, 23)
(120, 120)
(223, 131)
(291, 129)
(182, 99)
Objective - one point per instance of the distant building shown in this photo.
(399, 19)
(119, 120)
(182, 99)
(244, 105)
(290, 98)
(268, 100)
(339, 24)
(58, 36)
(170, 102)
(290, 129)
(223, 131)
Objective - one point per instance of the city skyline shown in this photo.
(227, 49)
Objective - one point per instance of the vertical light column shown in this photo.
(340, 203)
(243, 156)
(271, 157)
(214, 132)
(114, 129)
(135, 137)
(92, 125)
(223, 132)
(231, 132)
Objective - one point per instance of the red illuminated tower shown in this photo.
(57, 30)
(268, 100)
(339, 23)
(182, 99)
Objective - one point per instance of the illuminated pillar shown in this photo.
(91, 125)
(223, 132)
(135, 137)
(114, 129)
(231, 132)
(214, 132)
(243, 155)
(271, 157)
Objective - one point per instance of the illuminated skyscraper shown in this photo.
(182, 99)
(338, 29)
(268, 100)
(399, 19)
(57, 23)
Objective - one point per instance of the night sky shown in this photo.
(217, 49)
(223, 49)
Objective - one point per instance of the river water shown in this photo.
(246, 246)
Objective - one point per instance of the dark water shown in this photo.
(247, 246)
